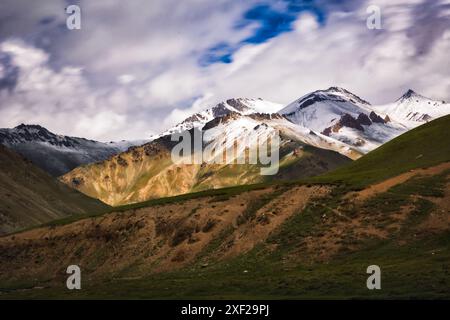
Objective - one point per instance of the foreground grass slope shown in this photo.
(287, 241)
(273, 246)
(30, 197)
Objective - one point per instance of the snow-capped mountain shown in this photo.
(56, 154)
(242, 106)
(338, 119)
(315, 130)
(320, 109)
(343, 116)
(246, 114)
(413, 109)
(251, 127)
(333, 119)
(149, 171)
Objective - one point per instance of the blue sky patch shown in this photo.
(271, 20)
(221, 52)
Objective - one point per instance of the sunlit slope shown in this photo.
(147, 172)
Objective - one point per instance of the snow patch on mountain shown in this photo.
(242, 106)
(345, 117)
(222, 132)
(413, 109)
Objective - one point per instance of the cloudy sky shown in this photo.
(138, 67)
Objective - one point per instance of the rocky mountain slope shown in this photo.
(413, 109)
(29, 196)
(297, 240)
(148, 171)
(344, 116)
(57, 154)
(241, 106)
(333, 119)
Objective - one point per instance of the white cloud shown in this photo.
(378, 65)
(133, 70)
(62, 100)
(125, 78)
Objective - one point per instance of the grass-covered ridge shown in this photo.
(421, 147)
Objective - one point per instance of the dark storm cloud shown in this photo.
(430, 24)
(10, 73)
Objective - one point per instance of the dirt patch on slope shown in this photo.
(269, 217)
(384, 186)
(439, 219)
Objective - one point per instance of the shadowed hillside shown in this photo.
(29, 196)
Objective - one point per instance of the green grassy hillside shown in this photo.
(424, 146)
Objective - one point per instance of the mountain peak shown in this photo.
(349, 95)
(29, 126)
(337, 89)
(62, 153)
(240, 106)
(33, 129)
(409, 94)
(333, 95)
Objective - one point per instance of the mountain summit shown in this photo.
(243, 106)
(413, 109)
(408, 94)
(343, 116)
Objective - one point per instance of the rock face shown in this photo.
(376, 118)
(147, 172)
(363, 119)
(350, 122)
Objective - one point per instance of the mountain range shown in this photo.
(319, 132)
(268, 237)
